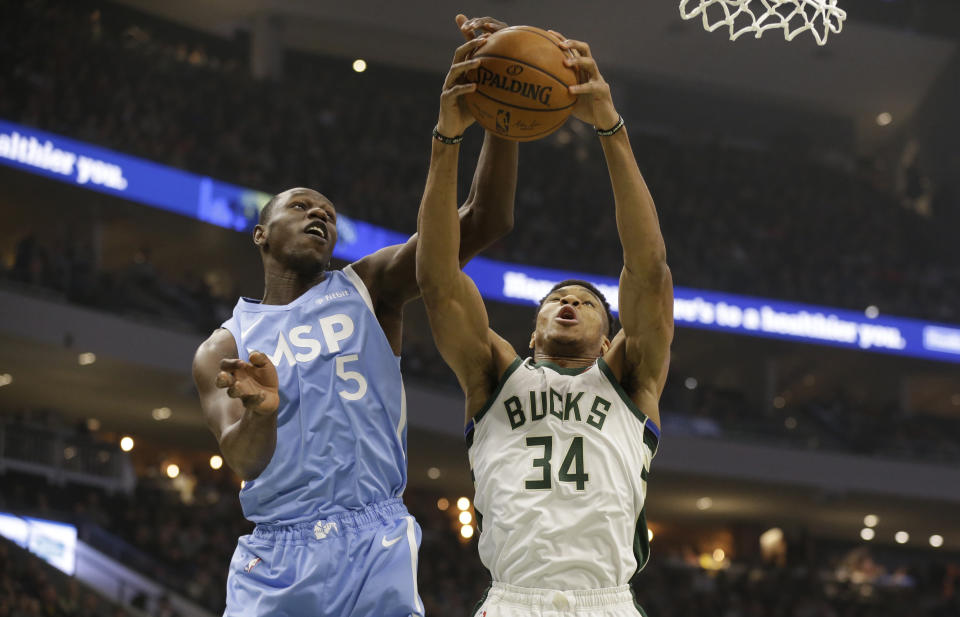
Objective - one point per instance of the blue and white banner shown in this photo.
(737, 314)
(129, 177)
(235, 207)
(55, 543)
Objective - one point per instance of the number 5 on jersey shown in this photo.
(573, 458)
(346, 375)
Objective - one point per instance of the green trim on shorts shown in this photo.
(636, 604)
(483, 599)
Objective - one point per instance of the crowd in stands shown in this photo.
(829, 422)
(67, 268)
(31, 588)
(187, 542)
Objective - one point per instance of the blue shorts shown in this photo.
(352, 564)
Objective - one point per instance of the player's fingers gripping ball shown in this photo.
(522, 84)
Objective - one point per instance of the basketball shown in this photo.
(522, 84)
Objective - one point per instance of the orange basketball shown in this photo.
(522, 84)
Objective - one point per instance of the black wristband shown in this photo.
(450, 141)
(608, 132)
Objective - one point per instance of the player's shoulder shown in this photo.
(370, 268)
(219, 345)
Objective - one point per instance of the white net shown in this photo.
(820, 17)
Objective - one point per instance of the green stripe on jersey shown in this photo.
(641, 543)
(648, 437)
(483, 599)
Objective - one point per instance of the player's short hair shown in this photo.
(267, 211)
(611, 324)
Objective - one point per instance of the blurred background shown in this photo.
(810, 460)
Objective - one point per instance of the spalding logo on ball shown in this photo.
(522, 84)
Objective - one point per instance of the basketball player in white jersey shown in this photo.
(560, 444)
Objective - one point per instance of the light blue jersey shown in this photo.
(341, 428)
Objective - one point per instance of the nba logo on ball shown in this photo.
(503, 121)
(522, 84)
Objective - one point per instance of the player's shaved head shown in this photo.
(267, 211)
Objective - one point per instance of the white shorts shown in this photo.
(502, 600)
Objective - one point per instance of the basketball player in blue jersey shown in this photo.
(303, 391)
(560, 444)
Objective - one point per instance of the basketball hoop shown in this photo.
(820, 17)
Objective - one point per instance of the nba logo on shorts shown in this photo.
(503, 121)
(253, 563)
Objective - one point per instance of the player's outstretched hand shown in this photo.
(594, 104)
(254, 383)
(472, 27)
(454, 115)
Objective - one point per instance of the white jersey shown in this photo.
(560, 459)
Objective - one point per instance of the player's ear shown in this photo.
(259, 235)
(533, 338)
(604, 345)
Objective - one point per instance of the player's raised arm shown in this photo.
(239, 401)
(455, 309)
(487, 213)
(485, 216)
(646, 287)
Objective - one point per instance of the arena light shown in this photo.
(463, 503)
(779, 402)
(243, 483)
(771, 538)
(719, 555)
(902, 537)
(465, 517)
(359, 65)
(704, 503)
(161, 413)
(6, 379)
(790, 422)
(936, 540)
(867, 533)
(173, 470)
(86, 358)
(433, 473)
(126, 444)
(884, 118)
(216, 461)
(93, 425)
(649, 535)
(442, 504)
(466, 531)
(871, 520)
(690, 383)
(871, 312)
